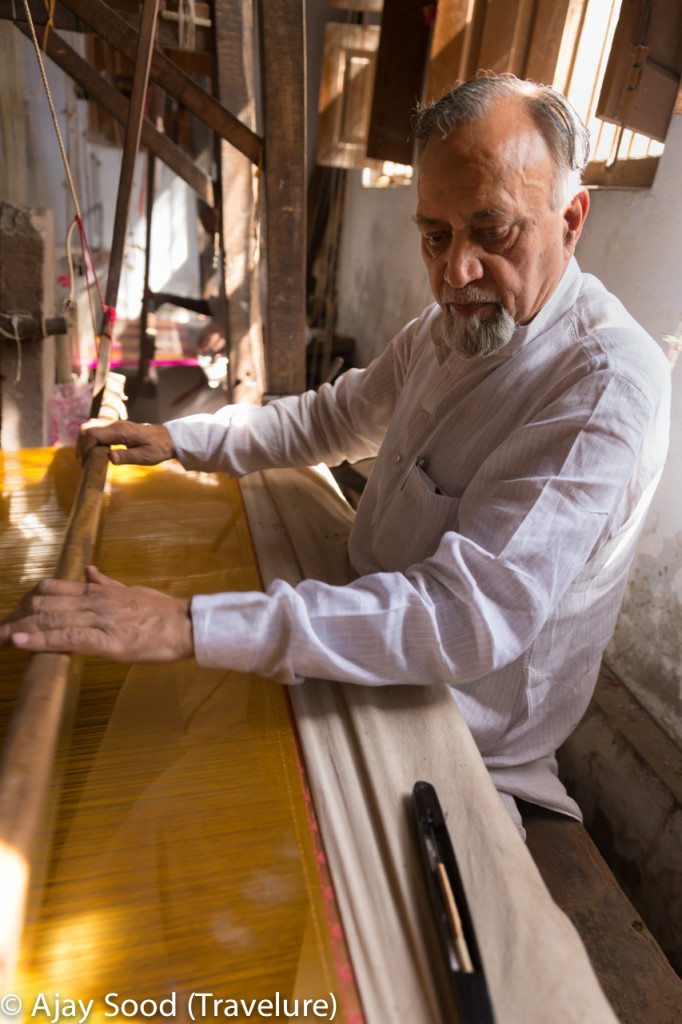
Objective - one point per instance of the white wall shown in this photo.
(633, 242)
(382, 280)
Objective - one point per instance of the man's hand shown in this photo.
(101, 617)
(146, 443)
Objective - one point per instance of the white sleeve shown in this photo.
(530, 519)
(345, 421)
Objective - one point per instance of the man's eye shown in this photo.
(436, 241)
(494, 236)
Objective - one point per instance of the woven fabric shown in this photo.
(364, 749)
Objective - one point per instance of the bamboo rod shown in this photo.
(41, 718)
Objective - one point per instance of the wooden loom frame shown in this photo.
(49, 689)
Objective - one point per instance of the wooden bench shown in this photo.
(635, 975)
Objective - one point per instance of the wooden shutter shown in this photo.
(346, 94)
(643, 73)
(531, 40)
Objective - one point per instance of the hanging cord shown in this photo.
(14, 336)
(69, 262)
(49, 7)
(69, 303)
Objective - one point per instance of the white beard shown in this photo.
(473, 336)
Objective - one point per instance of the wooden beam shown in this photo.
(147, 339)
(131, 145)
(238, 227)
(284, 113)
(117, 105)
(449, 47)
(64, 20)
(398, 81)
(111, 27)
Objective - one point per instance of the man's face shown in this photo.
(493, 242)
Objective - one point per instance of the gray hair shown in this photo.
(566, 136)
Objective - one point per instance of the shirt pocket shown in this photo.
(411, 521)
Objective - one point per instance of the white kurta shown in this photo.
(494, 536)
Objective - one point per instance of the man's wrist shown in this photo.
(188, 631)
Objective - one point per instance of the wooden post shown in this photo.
(234, 36)
(147, 340)
(284, 117)
(150, 12)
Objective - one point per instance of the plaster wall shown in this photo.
(382, 280)
(633, 242)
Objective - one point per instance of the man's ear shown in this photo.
(574, 218)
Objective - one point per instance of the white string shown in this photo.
(14, 319)
(53, 112)
(69, 262)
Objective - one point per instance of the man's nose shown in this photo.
(463, 265)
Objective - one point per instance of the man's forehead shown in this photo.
(506, 135)
(484, 177)
(470, 198)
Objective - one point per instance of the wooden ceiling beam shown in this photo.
(117, 105)
(12, 10)
(112, 28)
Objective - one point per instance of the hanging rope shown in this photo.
(53, 112)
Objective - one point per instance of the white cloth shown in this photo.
(494, 536)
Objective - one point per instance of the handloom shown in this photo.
(183, 857)
(181, 808)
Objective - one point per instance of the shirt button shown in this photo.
(398, 458)
(422, 416)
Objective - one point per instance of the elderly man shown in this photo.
(520, 424)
